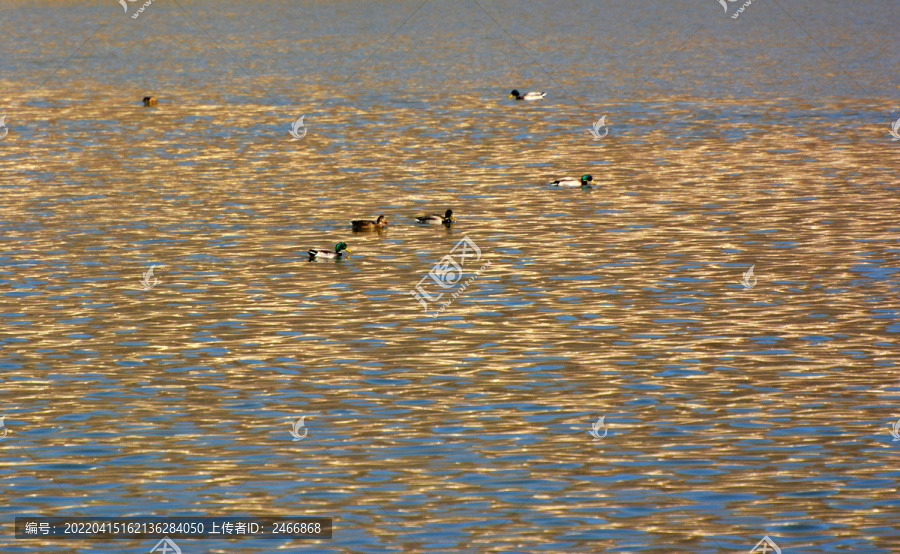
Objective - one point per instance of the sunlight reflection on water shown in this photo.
(731, 413)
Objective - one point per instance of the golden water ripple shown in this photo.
(731, 413)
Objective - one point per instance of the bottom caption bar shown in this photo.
(173, 527)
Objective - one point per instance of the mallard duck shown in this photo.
(528, 95)
(338, 252)
(436, 219)
(585, 181)
(367, 225)
(149, 100)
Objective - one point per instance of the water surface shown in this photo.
(730, 413)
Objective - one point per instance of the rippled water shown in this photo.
(730, 413)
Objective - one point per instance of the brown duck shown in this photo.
(368, 225)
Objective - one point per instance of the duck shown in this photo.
(528, 95)
(338, 252)
(149, 100)
(367, 225)
(585, 181)
(436, 219)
